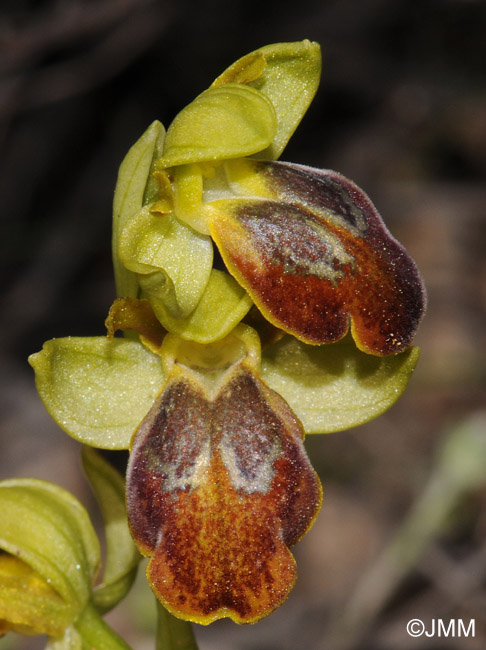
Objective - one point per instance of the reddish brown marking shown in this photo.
(220, 550)
(275, 250)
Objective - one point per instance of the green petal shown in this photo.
(134, 188)
(50, 531)
(122, 557)
(289, 79)
(97, 390)
(223, 304)
(335, 387)
(174, 261)
(227, 121)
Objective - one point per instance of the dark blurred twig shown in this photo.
(124, 43)
(113, 35)
(63, 24)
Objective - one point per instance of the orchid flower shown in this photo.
(259, 301)
(50, 557)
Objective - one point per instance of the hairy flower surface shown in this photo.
(219, 484)
(314, 255)
(302, 323)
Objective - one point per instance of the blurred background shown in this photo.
(401, 110)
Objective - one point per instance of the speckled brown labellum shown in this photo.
(315, 256)
(218, 487)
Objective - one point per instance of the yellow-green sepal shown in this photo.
(50, 544)
(172, 261)
(223, 304)
(336, 386)
(134, 188)
(228, 121)
(288, 74)
(122, 557)
(97, 390)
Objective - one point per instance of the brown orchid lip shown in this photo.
(316, 258)
(219, 486)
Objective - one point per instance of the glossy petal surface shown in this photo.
(98, 390)
(314, 255)
(223, 122)
(218, 487)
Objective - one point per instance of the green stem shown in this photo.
(96, 634)
(172, 633)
